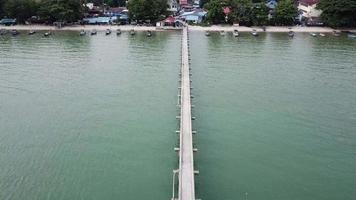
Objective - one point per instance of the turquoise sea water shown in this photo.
(94, 117)
(88, 117)
(276, 116)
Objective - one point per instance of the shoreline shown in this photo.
(269, 29)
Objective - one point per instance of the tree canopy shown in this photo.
(61, 10)
(147, 10)
(285, 13)
(20, 9)
(338, 13)
(216, 11)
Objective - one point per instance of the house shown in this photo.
(307, 9)
(272, 4)
(173, 6)
(8, 21)
(100, 20)
(115, 11)
(195, 16)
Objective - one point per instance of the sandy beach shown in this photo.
(191, 28)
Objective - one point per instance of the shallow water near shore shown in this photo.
(93, 117)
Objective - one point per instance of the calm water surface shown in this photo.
(88, 117)
(94, 117)
(276, 116)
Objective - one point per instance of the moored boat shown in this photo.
(322, 34)
(3, 32)
(132, 32)
(82, 33)
(207, 33)
(222, 33)
(93, 32)
(313, 34)
(291, 34)
(32, 32)
(254, 32)
(118, 32)
(336, 33)
(47, 34)
(14, 32)
(350, 35)
(149, 34)
(235, 33)
(108, 32)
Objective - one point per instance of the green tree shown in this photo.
(259, 15)
(285, 13)
(241, 11)
(61, 10)
(1, 9)
(147, 10)
(112, 3)
(215, 11)
(338, 13)
(20, 9)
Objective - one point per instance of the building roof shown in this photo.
(183, 2)
(170, 20)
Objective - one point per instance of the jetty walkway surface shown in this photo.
(186, 185)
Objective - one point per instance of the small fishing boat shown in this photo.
(47, 34)
(93, 32)
(3, 32)
(291, 34)
(322, 34)
(236, 33)
(313, 34)
(222, 33)
(350, 35)
(149, 34)
(14, 32)
(118, 32)
(336, 33)
(254, 32)
(108, 32)
(132, 32)
(32, 32)
(207, 33)
(82, 33)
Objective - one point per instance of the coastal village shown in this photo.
(193, 12)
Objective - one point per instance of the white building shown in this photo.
(307, 9)
(173, 6)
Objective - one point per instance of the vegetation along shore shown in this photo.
(175, 13)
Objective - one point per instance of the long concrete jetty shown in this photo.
(186, 186)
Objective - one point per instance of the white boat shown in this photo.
(322, 34)
(254, 32)
(47, 34)
(82, 33)
(32, 32)
(108, 32)
(313, 34)
(235, 33)
(222, 33)
(149, 34)
(118, 32)
(93, 32)
(207, 33)
(291, 33)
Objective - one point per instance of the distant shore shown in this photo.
(192, 28)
